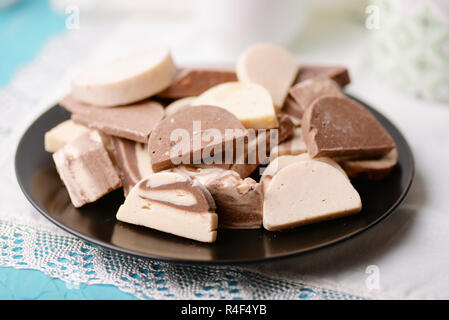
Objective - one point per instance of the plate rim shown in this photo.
(113, 247)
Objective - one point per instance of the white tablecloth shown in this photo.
(409, 249)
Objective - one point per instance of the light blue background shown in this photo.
(35, 285)
(24, 29)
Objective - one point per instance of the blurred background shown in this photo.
(404, 42)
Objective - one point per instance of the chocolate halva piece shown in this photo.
(372, 169)
(342, 129)
(134, 122)
(339, 74)
(239, 201)
(306, 92)
(86, 169)
(133, 161)
(192, 136)
(173, 203)
(250, 159)
(292, 109)
(193, 82)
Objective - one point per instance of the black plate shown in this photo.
(97, 224)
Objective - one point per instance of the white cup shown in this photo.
(226, 27)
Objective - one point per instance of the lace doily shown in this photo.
(76, 261)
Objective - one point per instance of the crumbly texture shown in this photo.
(86, 169)
(173, 203)
(239, 201)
